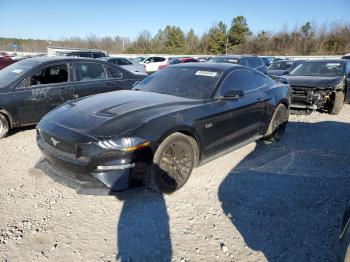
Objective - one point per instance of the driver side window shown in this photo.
(49, 75)
(238, 80)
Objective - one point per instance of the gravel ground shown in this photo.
(263, 202)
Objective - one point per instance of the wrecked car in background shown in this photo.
(319, 84)
(32, 87)
(282, 67)
(178, 118)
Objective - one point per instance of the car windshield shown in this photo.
(194, 83)
(223, 60)
(12, 72)
(281, 65)
(319, 68)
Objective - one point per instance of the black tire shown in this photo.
(338, 102)
(172, 163)
(277, 124)
(4, 126)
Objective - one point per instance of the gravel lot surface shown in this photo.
(263, 202)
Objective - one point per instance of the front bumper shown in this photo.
(310, 98)
(80, 165)
(83, 184)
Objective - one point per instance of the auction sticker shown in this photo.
(17, 71)
(206, 73)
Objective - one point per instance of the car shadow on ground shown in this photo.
(20, 129)
(287, 199)
(143, 228)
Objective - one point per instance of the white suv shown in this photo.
(152, 63)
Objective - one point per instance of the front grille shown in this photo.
(299, 96)
(58, 143)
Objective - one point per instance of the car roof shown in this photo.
(45, 59)
(235, 56)
(290, 60)
(109, 57)
(210, 66)
(328, 60)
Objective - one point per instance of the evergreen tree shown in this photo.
(217, 39)
(239, 31)
(175, 40)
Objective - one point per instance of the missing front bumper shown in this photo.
(310, 99)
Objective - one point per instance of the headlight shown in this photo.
(124, 144)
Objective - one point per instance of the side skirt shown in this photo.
(230, 149)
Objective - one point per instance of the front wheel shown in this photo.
(172, 163)
(4, 126)
(338, 102)
(277, 125)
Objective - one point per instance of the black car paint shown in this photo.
(305, 90)
(216, 124)
(27, 105)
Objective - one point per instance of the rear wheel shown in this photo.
(338, 102)
(4, 126)
(172, 163)
(277, 125)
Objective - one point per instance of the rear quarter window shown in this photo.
(122, 61)
(115, 73)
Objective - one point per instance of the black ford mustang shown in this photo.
(32, 87)
(173, 120)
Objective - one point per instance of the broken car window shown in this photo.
(50, 75)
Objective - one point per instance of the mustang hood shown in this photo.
(318, 82)
(114, 113)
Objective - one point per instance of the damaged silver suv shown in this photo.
(319, 84)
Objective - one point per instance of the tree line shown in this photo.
(308, 39)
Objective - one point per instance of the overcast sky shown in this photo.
(56, 19)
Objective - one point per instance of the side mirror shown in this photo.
(233, 94)
(281, 80)
(147, 62)
(286, 73)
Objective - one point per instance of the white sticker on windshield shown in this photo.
(233, 60)
(333, 64)
(17, 71)
(206, 73)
